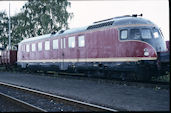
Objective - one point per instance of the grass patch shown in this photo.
(165, 78)
(2, 68)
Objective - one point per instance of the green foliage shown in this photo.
(38, 17)
(3, 29)
(164, 78)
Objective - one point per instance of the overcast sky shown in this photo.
(86, 12)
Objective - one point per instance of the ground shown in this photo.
(121, 97)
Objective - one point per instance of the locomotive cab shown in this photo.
(137, 31)
(151, 35)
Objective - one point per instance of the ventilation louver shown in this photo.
(100, 25)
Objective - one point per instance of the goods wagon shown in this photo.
(8, 57)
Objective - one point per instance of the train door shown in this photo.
(72, 51)
(63, 65)
(81, 53)
(62, 55)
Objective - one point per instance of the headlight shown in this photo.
(146, 53)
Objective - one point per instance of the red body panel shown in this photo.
(98, 44)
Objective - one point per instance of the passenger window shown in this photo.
(33, 47)
(81, 41)
(55, 44)
(146, 33)
(71, 42)
(124, 34)
(27, 48)
(64, 42)
(39, 46)
(135, 34)
(155, 33)
(61, 43)
(47, 45)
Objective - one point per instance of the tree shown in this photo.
(38, 17)
(45, 16)
(3, 29)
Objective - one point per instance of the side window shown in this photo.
(33, 47)
(61, 44)
(71, 42)
(124, 34)
(27, 48)
(146, 33)
(155, 33)
(55, 44)
(39, 46)
(47, 45)
(81, 41)
(135, 34)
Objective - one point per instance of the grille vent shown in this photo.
(100, 25)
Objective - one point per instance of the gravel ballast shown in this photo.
(8, 106)
(49, 105)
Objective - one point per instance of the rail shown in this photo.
(88, 106)
(22, 103)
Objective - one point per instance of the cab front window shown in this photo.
(146, 33)
(135, 34)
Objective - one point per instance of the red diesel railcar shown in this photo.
(121, 44)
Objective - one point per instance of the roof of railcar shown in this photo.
(117, 21)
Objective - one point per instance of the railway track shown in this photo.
(59, 102)
(24, 105)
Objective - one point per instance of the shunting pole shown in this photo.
(9, 29)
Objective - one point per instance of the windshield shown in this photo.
(140, 33)
(146, 33)
(135, 34)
